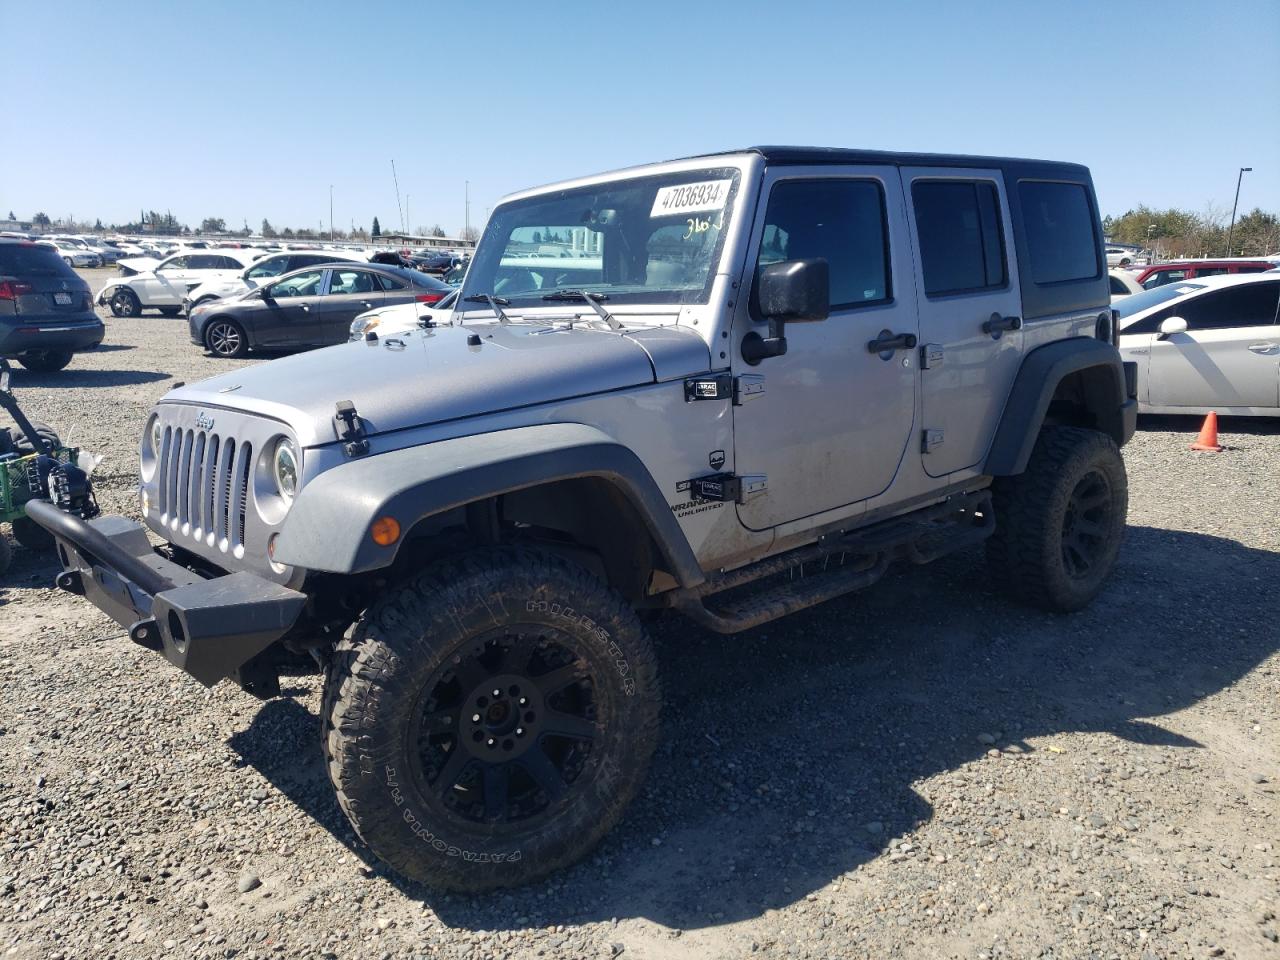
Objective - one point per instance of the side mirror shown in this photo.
(1172, 325)
(793, 291)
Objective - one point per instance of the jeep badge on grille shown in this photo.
(203, 421)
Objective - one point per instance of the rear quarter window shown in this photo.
(1060, 231)
(18, 260)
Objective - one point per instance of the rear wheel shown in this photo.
(225, 338)
(489, 721)
(44, 361)
(125, 303)
(69, 262)
(1059, 524)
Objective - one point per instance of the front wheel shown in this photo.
(44, 361)
(1059, 524)
(490, 720)
(225, 338)
(125, 303)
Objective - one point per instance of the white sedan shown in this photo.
(388, 321)
(73, 253)
(166, 284)
(1210, 344)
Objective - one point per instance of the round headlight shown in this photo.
(157, 436)
(285, 469)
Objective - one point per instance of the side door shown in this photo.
(834, 419)
(970, 311)
(1229, 356)
(352, 290)
(291, 317)
(169, 285)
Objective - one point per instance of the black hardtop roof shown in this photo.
(817, 156)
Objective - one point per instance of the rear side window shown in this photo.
(1161, 277)
(841, 221)
(961, 239)
(1117, 286)
(388, 283)
(1060, 231)
(21, 260)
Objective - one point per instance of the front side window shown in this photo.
(1060, 225)
(305, 284)
(960, 234)
(840, 221)
(1251, 305)
(654, 239)
(1162, 277)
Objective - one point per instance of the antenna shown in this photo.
(399, 207)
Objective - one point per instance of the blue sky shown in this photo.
(249, 110)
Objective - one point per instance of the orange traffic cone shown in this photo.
(1208, 439)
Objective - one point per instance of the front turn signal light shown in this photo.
(385, 531)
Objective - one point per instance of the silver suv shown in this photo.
(666, 388)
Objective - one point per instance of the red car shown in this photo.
(1179, 270)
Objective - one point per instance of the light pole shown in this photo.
(466, 230)
(1232, 228)
(331, 211)
(408, 224)
(1150, 229)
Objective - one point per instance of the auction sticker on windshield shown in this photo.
(690, 198)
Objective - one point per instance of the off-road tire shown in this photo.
(125, 303)
(384, 674)
(225, 338)
(44, 361)
(31, 535)
(1070, 502)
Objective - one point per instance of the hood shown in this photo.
(140, 264)
(426, 376)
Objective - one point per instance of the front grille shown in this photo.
(203, 487)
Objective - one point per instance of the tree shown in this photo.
(213, 225)
(470, 233)
(437, 231)
(11, 216)
(267, 229)
(377, 230)
(97, 224)
(41, 220)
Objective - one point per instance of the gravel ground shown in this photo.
(923, 770)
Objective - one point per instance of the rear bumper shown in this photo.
(208, 628)
(20, 334)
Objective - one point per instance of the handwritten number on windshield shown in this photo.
(698, 225)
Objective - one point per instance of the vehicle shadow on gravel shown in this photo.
(74, 378)
(793, 753)
(1190, 425)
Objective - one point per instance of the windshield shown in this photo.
(647, 240)
(1153, 298)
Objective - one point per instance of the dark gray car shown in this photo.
(46, 309)
(311, 307)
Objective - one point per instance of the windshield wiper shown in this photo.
(591, 298)
(495, 303)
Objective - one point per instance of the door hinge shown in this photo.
(747, 387)
(727, 487)
(930, 441)
(930, 356)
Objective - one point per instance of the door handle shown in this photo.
(305, 306)
(1262, 347)
(997, 323)
(368, 305)
(888, 341)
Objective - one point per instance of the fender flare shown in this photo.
(327, 528)
(1106, 398)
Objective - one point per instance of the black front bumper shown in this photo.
(208, 627)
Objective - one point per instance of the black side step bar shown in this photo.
(922, 537)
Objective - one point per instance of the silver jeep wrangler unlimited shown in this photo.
(668, 387)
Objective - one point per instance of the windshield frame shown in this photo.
(496, 237)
